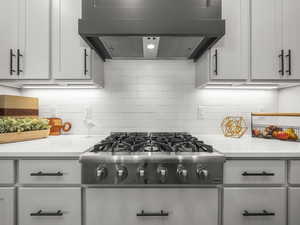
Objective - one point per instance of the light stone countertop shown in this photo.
(252, 147)
(73, 145)
(53, 146)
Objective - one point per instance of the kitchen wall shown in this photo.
(9, 91)
(289, 100)
(150, 96)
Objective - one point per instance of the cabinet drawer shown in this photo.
(294, 172)
(151, 206)
(253, 206)
(254, 172)
(49, 172)
(7, 175)
(48, 206)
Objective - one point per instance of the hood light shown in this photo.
(150, 46)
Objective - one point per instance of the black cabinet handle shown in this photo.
(263, 213)
(41, 213)
(289, 57)
(18, 62)
(216, 61)
(11, 62)
(85, 62)
(281, 56)
(161, 213)
(41, 174)
(263, 173)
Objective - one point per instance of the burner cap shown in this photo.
(185, 147)
(121, 146)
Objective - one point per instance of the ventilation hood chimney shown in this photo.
(151, 29)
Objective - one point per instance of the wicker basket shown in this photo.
(23, 136)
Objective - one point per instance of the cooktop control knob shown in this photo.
(162, 173)
(182, 172)
(101, 172)
(121, 172)
(202, 172)
(141, 172)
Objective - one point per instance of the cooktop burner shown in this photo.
(131, 143)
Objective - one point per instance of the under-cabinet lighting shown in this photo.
(243, 87)
(60, 86)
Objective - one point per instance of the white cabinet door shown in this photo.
(7, 206)
(71, 58)
(254, 206)
(135, 206)
(230, 56)
(49, 206)
(8, 38)
(266, 39)
(34, 39)
(294, 206)
(291, 37)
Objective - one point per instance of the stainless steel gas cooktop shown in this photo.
(152, 158)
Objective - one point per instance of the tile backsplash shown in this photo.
(150, 96)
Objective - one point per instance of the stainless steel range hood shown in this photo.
(151, 29)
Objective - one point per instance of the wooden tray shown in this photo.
(23, 136)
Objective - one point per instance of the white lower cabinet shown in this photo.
(294, 206)
(49, 206)
(112, 206)
(254, 206)
(7, 206)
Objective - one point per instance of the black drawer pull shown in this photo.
(85, 62)
(281, 56)
(41, 213)
(263, 213)
(41, 174)
(216, 61)
(289, 57)
(263, 173)
(18, 62)
(11, 62)
(161, 213)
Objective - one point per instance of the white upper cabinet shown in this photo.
(34, 39)
(8, 38)
(24, 40)
(230, 56)
(266, 39)
(291, 37)
(275, 39)
(71, 58)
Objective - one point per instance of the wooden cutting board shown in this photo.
(18, 106)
